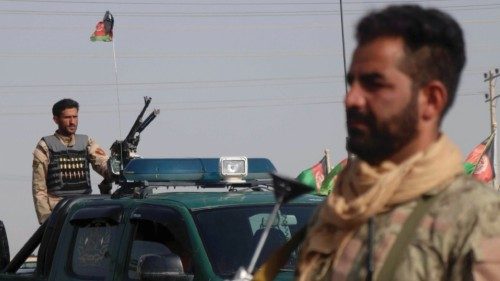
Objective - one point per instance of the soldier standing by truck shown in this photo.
(61, 161)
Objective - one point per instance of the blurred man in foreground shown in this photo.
(403, 208)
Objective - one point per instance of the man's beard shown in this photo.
(382, 138)
(65, 131)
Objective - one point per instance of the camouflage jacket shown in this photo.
(457, 239)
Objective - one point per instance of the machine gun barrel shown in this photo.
(122, 151)
(148, 120)
(138, 122)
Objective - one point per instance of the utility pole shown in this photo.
(490, 78)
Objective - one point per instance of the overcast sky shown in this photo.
(244, 77)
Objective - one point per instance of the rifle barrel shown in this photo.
(137, 123)
(148, 120)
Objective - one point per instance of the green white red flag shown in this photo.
(331, 178)
(104, 29)
(315, 175)
(479, 162)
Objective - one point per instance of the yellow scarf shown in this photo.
(364, 191)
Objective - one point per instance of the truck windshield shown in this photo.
(230, 235)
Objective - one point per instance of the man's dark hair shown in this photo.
(434, 44)
(63, 104)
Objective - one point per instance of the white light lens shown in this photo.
(233, 166)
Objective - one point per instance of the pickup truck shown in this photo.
(170, 219)
(164, 230)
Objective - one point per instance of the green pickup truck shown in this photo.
(188, 224)
(170, 219)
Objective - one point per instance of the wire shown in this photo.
(229, 104)
(169, 82)
(213, 3)
(229, 14)
(187, 108)
(343, 45)
(150, 55)
(173, 3)
(174, 14)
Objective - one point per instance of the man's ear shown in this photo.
(433, 100)
(55, 120)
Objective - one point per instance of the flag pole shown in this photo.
(328, 161)
(490, 78)
(117, 95)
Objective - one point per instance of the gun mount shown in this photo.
(138, 177)
(122, 151)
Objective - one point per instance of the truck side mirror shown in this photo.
(4, 247)
(160, 267)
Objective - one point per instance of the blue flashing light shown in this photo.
(196, 170)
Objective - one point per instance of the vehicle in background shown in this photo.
(165, 231)
(170, 219)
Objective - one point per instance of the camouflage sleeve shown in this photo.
(98, 158)
(486, 242)
(39, 187)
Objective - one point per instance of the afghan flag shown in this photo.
(479, 163)
(330, 179)
(104, 29)
(315, 175)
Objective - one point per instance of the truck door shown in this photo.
(160, 231)
(92, 246)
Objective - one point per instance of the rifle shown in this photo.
(125, 150)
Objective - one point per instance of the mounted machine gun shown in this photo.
(122, 151)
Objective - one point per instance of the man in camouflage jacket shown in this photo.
(61, 161)
(403, 79)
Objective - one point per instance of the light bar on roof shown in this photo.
(199, 171)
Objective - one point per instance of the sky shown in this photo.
(231, 78)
